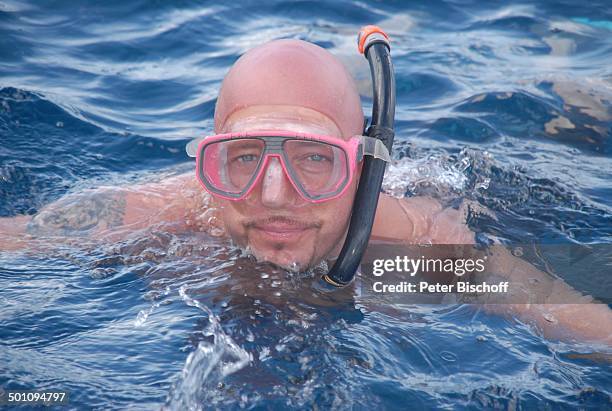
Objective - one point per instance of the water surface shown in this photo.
(504, 106)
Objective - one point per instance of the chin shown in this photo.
(285, 259)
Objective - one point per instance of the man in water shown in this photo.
(285, 85)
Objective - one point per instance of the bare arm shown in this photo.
(564, 313)
(418, 220)
(12, 233)
(108, 212)
(81, 214)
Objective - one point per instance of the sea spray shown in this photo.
(207, 366)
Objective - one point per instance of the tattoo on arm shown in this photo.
(80, 214)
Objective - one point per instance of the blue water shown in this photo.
(505, 106)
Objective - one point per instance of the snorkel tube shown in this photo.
(374, 44)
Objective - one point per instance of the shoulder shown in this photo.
(176, 199)
(419, 220)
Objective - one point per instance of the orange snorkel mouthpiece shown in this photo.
(370, 34)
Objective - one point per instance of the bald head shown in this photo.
(291, 73)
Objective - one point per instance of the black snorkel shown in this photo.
(374, 45)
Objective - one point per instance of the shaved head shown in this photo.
(291, 73)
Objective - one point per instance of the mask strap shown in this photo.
(192, 146)
(374, 147)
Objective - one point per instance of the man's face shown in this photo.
(274, 222)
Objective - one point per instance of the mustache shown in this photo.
(265, 221)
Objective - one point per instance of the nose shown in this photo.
(276, 189)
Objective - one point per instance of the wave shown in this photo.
(45, 151)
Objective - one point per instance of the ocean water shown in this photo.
(507, 106)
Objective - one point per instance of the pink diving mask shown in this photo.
(319, 167)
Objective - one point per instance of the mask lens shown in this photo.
(321, 169)
(230, 166)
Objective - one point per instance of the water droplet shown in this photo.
(141, 318)
(217, 232)
(484, 184)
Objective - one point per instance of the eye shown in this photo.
(245, 158)
(317, 158)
